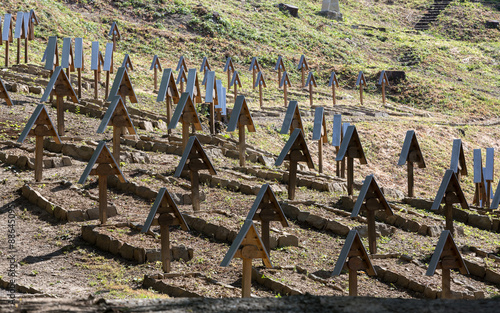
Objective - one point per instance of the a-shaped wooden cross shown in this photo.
(60, 87)
(247, 246)
(319, 134)
(205, 66)
(127, 63)
(155, 67)
(446, 257)
(304, 68)
(181, 80)
(285, 83)
(254, 68)
(229, 69)
(236, 82)
(182, 69)
(353, 257)
(96, 64)
(383, 81)
(457, 163)
(261, 82)
(108, 66)
(334, 83)
(4, 94)
(20, 32)
(194, 159)
(361, 82)
(67, 60)
(292, 119)
(351, 149)
(79, 63)
(168, 215)
(220, 107)
(295, 150)
(185, 112)
(114, 33)
(449, 192)
(337, 137)
(241, 117)
(266, 209)
(51, 55)
(7, 35)
(117, 116)
(106, 165)
(211, 97)
(371, 199)
(168, 92)
(479, 181)
(410, 154)
(43, 127)
(122, 86)
(280, 67)
(31, 20)
(193, 85)
(489, 173)
(311, 82)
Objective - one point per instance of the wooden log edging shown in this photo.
(155, 282)
(274, 285)
(7, 285)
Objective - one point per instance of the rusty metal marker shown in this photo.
(280, 67)
(229, 69)
(383, 81)
(247, 246)
(107, 165)
(168, 92)
(292, 119)
(446, 257)
(319, 134)
(352, 149)
(262, 84)
(449, 192)
(479, 181)
(285, 83)
(303, 67)
(334, 84)
(114, 33)
(155, 66)
(241, 117)
(371, 199)
(236, 82)
(169, 215)
(295, 150)
(353, 258)
(410, 154)
(457, 163)
(185, 112)
(43, 127)
(361, 82)
(254, 68)
(4, 94)
(7, 35)
(311, 82)
(194, 159)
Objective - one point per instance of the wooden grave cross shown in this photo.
(337, 136)
(236, 82)
(247, 246)
(193, 86)
(229, 68)
(371, 199)
(265, 209)
(181, 79)
(20, 32)
(67, 60)
(182, 68)
(7, 35)
(383, 81)
(262, 84)
(211, 97)
(292, 119)
(108, 65)
(168, 92)
(311, 82)
(351, 149)
(4, 94)
(193, 160)
(43, 127)
(205, 66)
(117, 116)
(303, 67)
(51, 55)
(295, 150)
(96, 65)
(106, 165)
(127, 62)
(479, 181)
(241, 117)
(280, 67)
(457, 163)
(79, 63)
(495, 201)
(361, 82)
(31, 20)
(114, 33)
(449, 192)
(353, 257)
(320, 134)
(168, 215)
(410, 154)
(489, 173)
(334, 83)
(255, 68)
(220, 108)
(285, 82)
(185, 112)
(122, 86)
(446, 257)
(59, 86)
(155, 66)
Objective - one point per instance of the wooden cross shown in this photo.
(383, 81)
(193, 160)
(295, 150)
(361, 82)
(67, 60)
(117, 116)
(354, 258)
(21, 32)
(489, 173)
(334, 84)
(30, 20)
(211, 97)
(185, 112)
(266, 209)
(96, 65)
(319, 134)
(410, 154)
(449, 192)
(115, 34)
(7, 35)
(181, 79)
(280, 67)
(311, 82)
(44, 127)
(337, 136)
(446, 257)
(229, 68)
(205, 66)
(371, 199)
(155, 65)
(60, 87)
(303, 67)
(193, 86)
(236, 82)
(220, 107)
(169, 215)
(285, 82)
(457, 163)
(241, 117)
(4, 94)
(122, 86)
(168, 92)
(352, 149)
(79, 63)
(182, 69)
(107, 165)
(255, 68)
(51, 55)
(292, 119)
(479, 181)
(247, 246)
(108, 65)
(262, 84)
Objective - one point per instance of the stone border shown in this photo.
(26, 163)
(5, 284)
(275, 286)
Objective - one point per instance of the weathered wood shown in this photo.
(103, 198)
(165, 220)
(446, 292)
(410, 179)
(372, 235)
(195, 190)
(60, 115)
(242, 144)
(246, 281)
(320, 154)
(353, 283)
(448, 212)
(350, 175)
(116, 143)
(38, 157)
(292, 179)
(96, 82)
(185, 135)
(285, 94)
(212, 118)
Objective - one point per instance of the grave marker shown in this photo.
(311, 81)
(479, 181)
(79, 63)
(371, 199)
(115, 34)
(181, 79)
(210, 97)
(449, 192)
(43, 127)
(155, 66)
(489, 173)
(59, 86)
(193, 85)
(229, 68)
(220, 108)
(383, 81)
(236, 82)
(337, 135)
(292, 119)
(303, 67)
(21, 32)
(352, 149)
(285, 82)
(255, 68)
(319, 134)
(410, 154)
(205, 66)
(95, 65)
(241, 117)
(295, 150)
(122, 86)
(280, 67)
(169, 215)
(361, 82)
(51, 55)
(193, 160)
(185, 112)
(127, 63)
(261, 82)
(4, 94)
(334, 84)
(168, 92)
(446, 257)
(30, 20)
(7, 35)
(457, 163)
(252, 247)
(108, 65)
(353, 257)
(67, 61)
